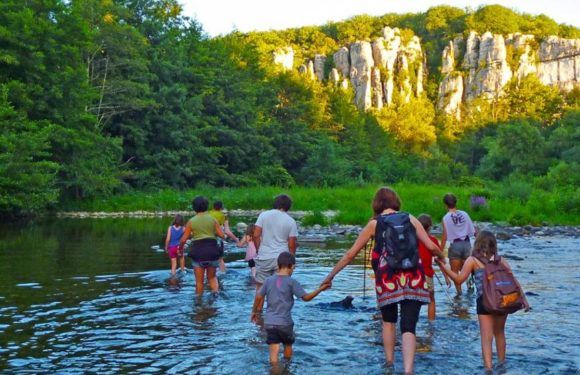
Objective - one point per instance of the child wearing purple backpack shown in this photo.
(491, 325)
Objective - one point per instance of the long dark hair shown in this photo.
(485, 245)
(178, 221)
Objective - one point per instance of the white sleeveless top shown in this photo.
(458, 225)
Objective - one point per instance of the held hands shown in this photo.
(324, 286)
(447, 280)
(440, 262)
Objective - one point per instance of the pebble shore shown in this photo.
(318, 233)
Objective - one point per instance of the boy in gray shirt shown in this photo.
(279, 290)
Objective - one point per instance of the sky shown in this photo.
(223, 16)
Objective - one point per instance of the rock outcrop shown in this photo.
(342, 61)
(371, 69)
(319, 62)
(479, 66)
(310, 70)
(284, 58)
(559, 62)
(361, 59)
(377, 88)
(490, 62)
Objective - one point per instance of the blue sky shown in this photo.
(223, 16)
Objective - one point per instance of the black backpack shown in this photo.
(395, 242)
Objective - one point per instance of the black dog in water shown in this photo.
(345, 303)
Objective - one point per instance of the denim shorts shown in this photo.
(459, 250)
(206, 264)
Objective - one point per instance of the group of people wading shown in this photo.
(401, 260)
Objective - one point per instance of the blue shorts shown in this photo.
(206, 264)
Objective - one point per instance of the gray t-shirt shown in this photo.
(277, 226)
(279, 292)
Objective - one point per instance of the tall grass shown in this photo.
(354, 202)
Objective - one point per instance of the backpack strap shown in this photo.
(481, 259)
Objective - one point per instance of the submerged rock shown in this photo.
(345, 303)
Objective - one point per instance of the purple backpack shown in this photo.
(502, 294)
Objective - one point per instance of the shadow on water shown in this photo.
(94, 296)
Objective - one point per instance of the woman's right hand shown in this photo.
(327, 281)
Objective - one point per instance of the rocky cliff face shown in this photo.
(376, 71)
(485, 68)
(375, 66)
(472, 67)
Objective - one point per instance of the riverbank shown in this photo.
(351, 204)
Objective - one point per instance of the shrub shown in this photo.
(471, 181)
(274, 175)
(485, 193)
(315, 218)
(516, 190)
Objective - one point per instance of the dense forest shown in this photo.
(98, 97)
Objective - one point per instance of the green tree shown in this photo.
(518, 148)
(412, 123)
(529, 98)
(27, 177)
(494, 18)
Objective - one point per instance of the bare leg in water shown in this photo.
(199, 273)
(212, 279)
(389, 332)
(486, 331)
(173, 266)
(499, 336)
(456, 265)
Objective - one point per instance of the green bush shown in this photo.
(486, 193)
(472, 181)
(315, 218)
(275, 175)
(516, 190)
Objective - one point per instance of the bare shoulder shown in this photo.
(473, 263)
(371, 225)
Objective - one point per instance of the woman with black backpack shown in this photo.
(399, 275)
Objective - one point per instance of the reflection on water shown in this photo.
(78, 296)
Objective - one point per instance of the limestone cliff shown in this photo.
(376, 70)
(478, 66)
(490, 61)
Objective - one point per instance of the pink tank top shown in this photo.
(250, 251)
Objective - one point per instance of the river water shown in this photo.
(94, 296)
